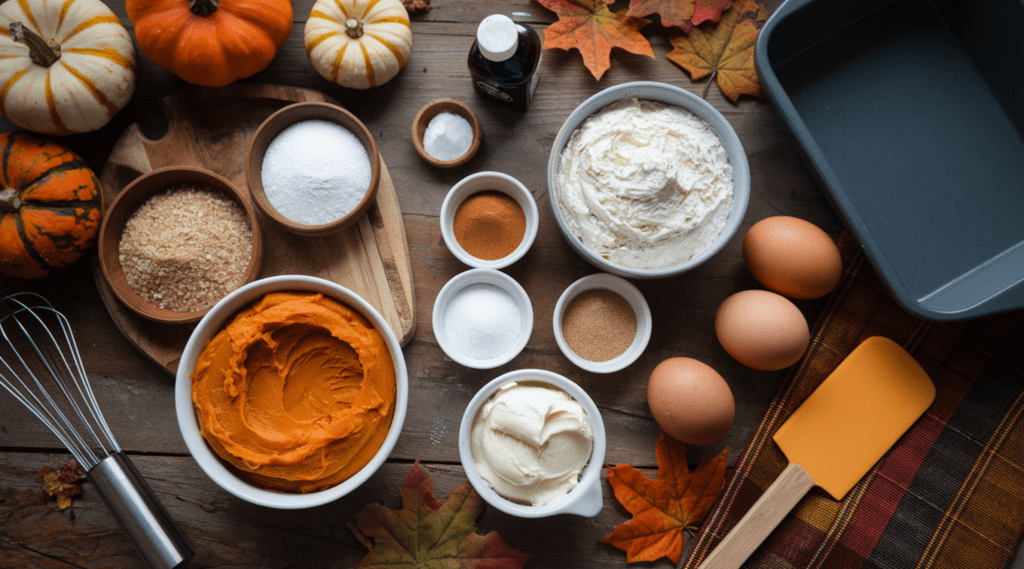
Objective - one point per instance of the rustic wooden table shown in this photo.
(136, 395)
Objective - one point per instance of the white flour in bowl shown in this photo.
(644, 184)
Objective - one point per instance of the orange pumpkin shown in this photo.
(211, 42)
(50, 206)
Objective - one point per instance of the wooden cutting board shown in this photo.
(211, 128)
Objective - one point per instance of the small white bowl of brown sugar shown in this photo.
(177, 240)
(602, 323)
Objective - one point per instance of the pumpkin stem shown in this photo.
(41, 51)
(203, 7)
(9, 200)
(354, 28)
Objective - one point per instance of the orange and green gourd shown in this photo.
(51, 206)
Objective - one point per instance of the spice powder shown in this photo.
(186, 248)
(489, 225)
(599, 325)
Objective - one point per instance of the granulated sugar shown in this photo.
(315, 172)
(448, 136)
(482, 322)
(186, 248)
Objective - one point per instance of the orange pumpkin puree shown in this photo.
(297, 392)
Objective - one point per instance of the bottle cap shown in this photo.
(497, 37)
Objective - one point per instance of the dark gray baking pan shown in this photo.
(911, 115)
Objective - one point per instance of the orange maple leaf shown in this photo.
(724, 49)
(593, 29)
(663, 508)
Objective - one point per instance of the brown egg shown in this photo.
(792, 257)
(690, 401)
(762, 330)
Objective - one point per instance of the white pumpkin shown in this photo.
(358, 43)
(65, 66)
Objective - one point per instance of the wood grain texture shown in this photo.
(211, 129)
(228, 532)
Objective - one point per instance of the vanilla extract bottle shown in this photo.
(504, 61)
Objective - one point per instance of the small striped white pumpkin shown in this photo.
(358, 43)
(92, 80)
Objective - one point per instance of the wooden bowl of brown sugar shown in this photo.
(177, 240)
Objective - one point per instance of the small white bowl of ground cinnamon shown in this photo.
(602, 323)
(489, 220)
(177, 240)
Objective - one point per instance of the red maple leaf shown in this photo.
(673, 12)
(708, 10)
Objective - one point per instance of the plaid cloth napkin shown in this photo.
(950, 494)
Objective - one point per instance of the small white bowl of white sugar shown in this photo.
(482, 318)
(313, 168)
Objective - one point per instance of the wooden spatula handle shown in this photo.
(773, 506)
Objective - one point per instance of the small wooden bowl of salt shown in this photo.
(177, 240)
(446, 133)
(313, 168)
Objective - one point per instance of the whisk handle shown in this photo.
(159, 541)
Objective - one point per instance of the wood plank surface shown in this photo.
(137, 395)
(212, 129)
(229, 532)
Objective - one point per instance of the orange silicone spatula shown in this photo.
(834, 438)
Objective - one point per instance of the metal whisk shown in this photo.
(41, 367)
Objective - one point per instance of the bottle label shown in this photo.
(493, 91)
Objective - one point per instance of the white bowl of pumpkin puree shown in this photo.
(291, 392)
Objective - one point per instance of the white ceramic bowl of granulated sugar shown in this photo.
(313, 168)
(482, 318)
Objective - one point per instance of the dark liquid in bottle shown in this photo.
(510, 82)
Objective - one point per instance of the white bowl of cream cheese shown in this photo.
(647, 180)
(532, 444)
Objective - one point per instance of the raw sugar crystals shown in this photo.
(599, 325)
(186, 248)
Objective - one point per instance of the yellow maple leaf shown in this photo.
(724, 49)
